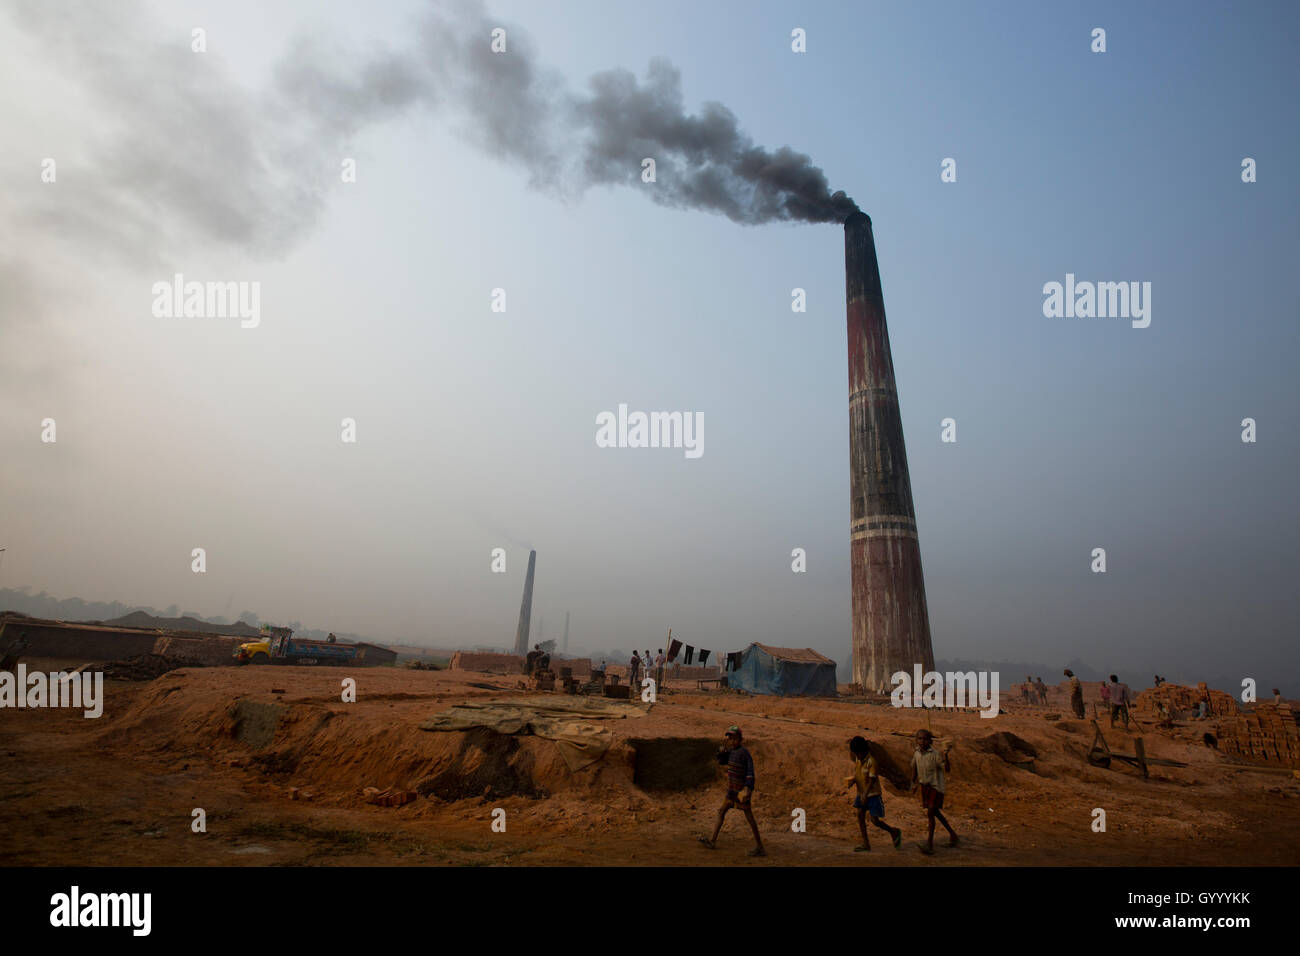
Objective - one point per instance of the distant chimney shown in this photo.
(891, 624)
(526, 607)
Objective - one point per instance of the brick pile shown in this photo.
(144, 667)
(390, 797)
(214, 650)
(486, 663)
(1180, 700)
(1270, 733)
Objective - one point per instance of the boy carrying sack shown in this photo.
(869, 798)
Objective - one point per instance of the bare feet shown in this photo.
(758, 851)
(862, 849)
(709, 843)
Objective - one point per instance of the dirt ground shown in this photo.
(278, 763)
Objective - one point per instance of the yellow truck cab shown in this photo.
(259, 651)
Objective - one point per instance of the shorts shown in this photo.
(733, 799)
(931, 798)
(872, 804)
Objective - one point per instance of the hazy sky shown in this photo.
(476, 429)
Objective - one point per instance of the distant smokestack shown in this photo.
(526, 607)
(566, 632)
(891, 625)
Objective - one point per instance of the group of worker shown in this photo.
(929, 773)
(651, 667)
(536, 660)
(1035, 689)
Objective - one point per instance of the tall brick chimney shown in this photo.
(891, 626)
(526, 607)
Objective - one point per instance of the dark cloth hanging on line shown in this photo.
(673, 648)
(704, 657)
(733, 660)
(690, 655)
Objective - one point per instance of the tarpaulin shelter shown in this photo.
(785, 671)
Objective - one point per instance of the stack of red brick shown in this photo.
(1270, 733)
(1182, 701)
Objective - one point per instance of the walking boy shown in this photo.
(869, 798)
(928, 768)
(740, 790)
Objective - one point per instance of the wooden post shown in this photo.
(663, 675)
(1099, 755)
(1140, 749)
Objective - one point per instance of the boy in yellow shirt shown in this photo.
(869, 798)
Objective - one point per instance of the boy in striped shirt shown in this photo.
(740, 791)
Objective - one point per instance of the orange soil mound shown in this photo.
(282, 744)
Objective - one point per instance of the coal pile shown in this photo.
(143, 667)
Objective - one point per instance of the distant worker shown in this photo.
(1042, 690)
(659, 670)
(634, 670)
(530, 661)
(14, 651)
(1159, 680)
(928, 769)
(740, 789)
(1105, 695)
(1277, 697)
(1024, 689)
(1119, 701)
(1076, 694)
(869, 798)
(331, 639)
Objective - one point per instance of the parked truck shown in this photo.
(277, 645)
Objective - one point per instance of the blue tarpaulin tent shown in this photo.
(787, 671)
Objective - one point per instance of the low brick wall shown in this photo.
(55, 639)
(581, 666)
(693, 672)
(486, 663)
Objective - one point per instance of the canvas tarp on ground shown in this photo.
(785, 671)
(570, 723)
